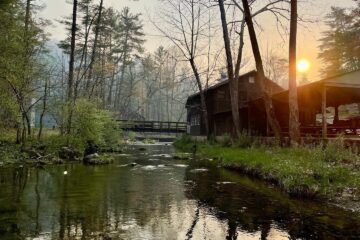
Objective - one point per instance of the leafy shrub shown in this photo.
(333, 151)
(131, 135)
(184, 143)
(93, 123)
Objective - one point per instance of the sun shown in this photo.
(303, 65)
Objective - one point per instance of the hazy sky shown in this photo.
(307, 37)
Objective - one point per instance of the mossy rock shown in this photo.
(95, 159)
(68, 153)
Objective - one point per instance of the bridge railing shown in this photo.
(153, 126)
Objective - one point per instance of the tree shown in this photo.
(294, 125)
(233, 80)
(21, 43)
(130, 39)
(340, 44)
(186, 26)
(94, 48)
(71, 100)
(270, 112)
(72, 51)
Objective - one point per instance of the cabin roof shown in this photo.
(342, 89)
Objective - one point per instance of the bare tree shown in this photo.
(185, 17)
(270, 112)
(233, 81)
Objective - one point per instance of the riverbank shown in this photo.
(53, 149)
(329, 172)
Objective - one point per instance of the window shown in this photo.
(195, 120)
(251, 80)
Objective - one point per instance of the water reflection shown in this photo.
(255, 211)
(162, 199)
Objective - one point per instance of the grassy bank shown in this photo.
(52, 148)
(331, 171)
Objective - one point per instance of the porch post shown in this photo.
(336, 116)
(323, 110)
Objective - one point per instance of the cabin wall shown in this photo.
(219, 108)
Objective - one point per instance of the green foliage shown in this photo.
(148, 141)
(93, 123)
(131, 136)
(339, 48)
(184, 143)
(333, 152)
(325, 170)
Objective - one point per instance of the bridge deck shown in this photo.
(153, 126)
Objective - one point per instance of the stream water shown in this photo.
(159, 198)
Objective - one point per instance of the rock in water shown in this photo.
(91, 148)
(95, 159)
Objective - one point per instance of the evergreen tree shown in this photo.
(340, 44)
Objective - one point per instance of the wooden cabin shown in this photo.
(319, 104)
(219, 107)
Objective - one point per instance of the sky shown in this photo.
(308, 35)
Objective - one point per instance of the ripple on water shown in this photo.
(199, 170)
(181, 165)
(162, 155)
(225, 183)
(149, 167)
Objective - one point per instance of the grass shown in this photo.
(329, 171)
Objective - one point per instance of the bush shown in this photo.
(334, 151)
(131, 136)
(184, 143)
(93, 123)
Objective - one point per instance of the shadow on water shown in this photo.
(157, 198)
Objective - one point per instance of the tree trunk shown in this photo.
(294, 126)
(121, 80)
(43, 110)
(270, 112)
(71, 67)
(72, 52)
(202, 97)
(93, 54)
(233, 82)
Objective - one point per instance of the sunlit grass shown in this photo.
(327, 171)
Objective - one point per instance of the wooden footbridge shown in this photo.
(153, 126)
